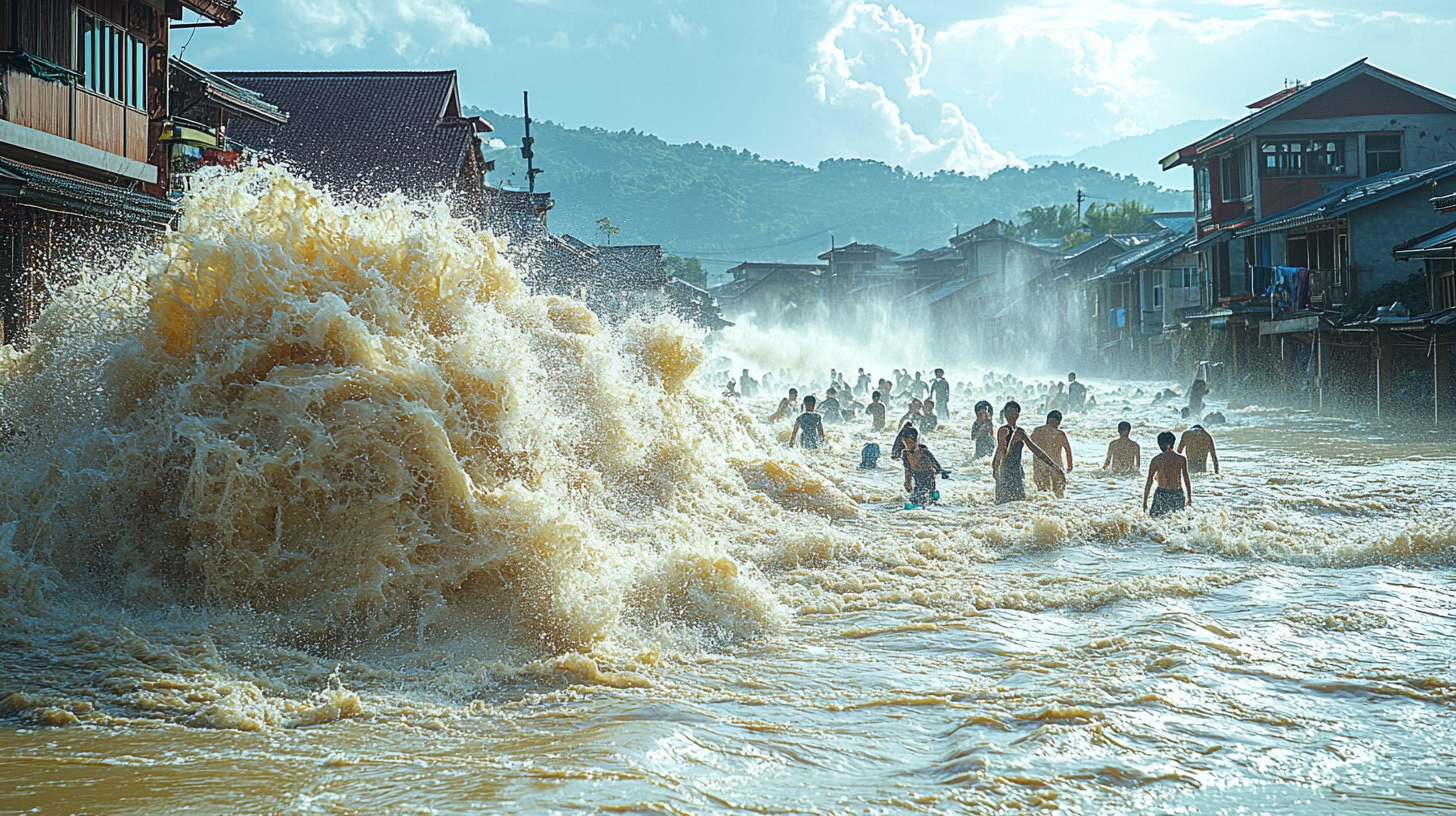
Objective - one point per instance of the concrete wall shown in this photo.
(1376, 229)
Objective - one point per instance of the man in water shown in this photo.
(1076, 393)
(876, 410)
(1197, 391)
(1170, 470)
(1053, 440)
(921, 468)
(983, 430)
(1006, 466)
(918, 388)
(830, 409)
(1199, 444)
(786, 406)
(940, 391)
(747, 386)
(863, 383)
(1124, 456)
(811, 425)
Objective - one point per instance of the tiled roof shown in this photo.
(32, 185)
(364, 133)
(1438, 242)
(1351, 197)
(211, 88)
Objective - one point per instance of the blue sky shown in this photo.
(926, 84)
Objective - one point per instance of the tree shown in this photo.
(1046, 222)
(1124, 217)
(686, 269)
(604, 226)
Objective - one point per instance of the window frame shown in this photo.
(1372, 152)
(112, 61)
(1290, 157)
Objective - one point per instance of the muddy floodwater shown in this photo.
(766, 631)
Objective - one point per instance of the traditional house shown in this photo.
(85, 97)
(993, 298)
(197, 134)
(772, 292)
(857, 271)
(364, 134)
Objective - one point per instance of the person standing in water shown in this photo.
(927, 421)
(1076, 393)
(1199, 444)
(983, 430)
(1197, 391)
(811, 425)
(876, 410)
(830, 410)
(1175, 491)
(1006, 465)
(1124, 456)
(786, 406)
(1053, 440)
(921, 468)
(940, 391)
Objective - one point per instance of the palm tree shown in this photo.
(604, 226)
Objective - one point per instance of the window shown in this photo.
(1303, 157)
(1158, 296)
(113, 63)
(1233, 175)
(1203, 197)
(1186, 278)
(1382, 154)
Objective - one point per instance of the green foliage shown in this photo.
(725, 206)
(686, 269)
(604, 226)
(1127, 216)
(1046, 222)
(1412, 292)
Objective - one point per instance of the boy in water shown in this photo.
(928, 420)
(1124, 456)
(912, 415)
(1175, 491)
(811, 425)
(876, 410)
(1199, 444)
(786, 406)
(983, 430)
(1053, 440)
(829, 409)
(940, 390)
(921, 468)
(1006, 465)
(1076, 393)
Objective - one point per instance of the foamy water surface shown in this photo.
(317, 511)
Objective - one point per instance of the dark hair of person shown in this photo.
(1057, 415)
(830, 392)
(809, 401)
(1012, 407)
(1124, 427)
(911, 433)
(1072, 376)
(983, 404)
(877, 395)
(1166, 440)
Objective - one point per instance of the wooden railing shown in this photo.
(76, 113)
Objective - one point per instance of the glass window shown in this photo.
(113, 63)
(1382, 154)
(1200, 184)
(1303, 157)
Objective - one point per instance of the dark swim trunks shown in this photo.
(1166, 501)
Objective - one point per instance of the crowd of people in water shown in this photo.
(998, 434)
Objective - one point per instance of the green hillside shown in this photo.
(727, 206)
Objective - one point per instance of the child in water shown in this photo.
(811, 425)
(983, 430)
(876, 410)
(921, 468)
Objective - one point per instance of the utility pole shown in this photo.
(1081, 196)
(526, 152)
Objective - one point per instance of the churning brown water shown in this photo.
(318, 511)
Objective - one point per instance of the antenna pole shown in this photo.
(526, 152)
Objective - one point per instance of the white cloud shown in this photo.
(861, 61)
(414, 28)
(683, 28)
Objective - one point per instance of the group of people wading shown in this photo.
(1050, 449)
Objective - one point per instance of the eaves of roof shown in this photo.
(1349, 198)
(1438, 243)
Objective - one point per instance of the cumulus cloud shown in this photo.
(681, 27)
(413, 28)
(876, 59)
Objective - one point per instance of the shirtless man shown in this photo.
(786, 406)
(1199, 444)
(1053, 441)
(1124, 456)
(876, 410)
(1006, 465)
(1175, 491)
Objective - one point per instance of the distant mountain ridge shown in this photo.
(1139, 155)
(727, 206)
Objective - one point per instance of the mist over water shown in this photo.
(314, 509)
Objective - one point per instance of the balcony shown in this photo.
(74, 130)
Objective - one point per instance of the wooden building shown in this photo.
(85, 102)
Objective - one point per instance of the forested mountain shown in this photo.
(726, 206)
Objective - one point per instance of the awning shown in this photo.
(32, 185)
(1290, 325)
